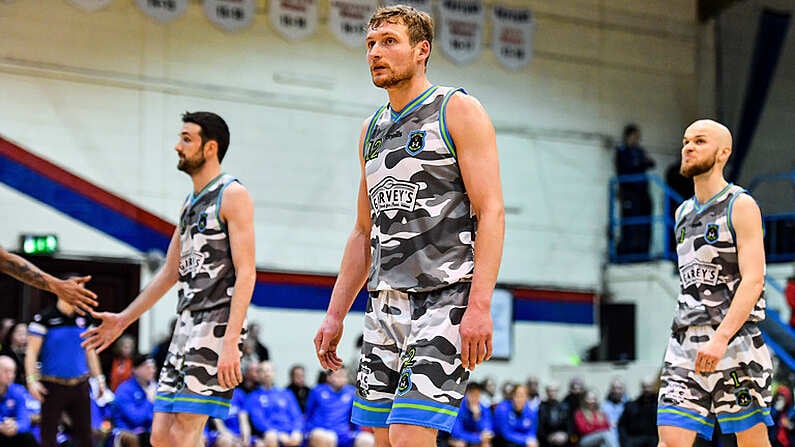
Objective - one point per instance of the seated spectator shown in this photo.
(515, 422)
(133, 407)
(14, 417)
(275, 417)
(613, 405)
(121, 368)
(553, 419)
(780, 433)
(251, 378)
(533, 395)
(473, 427)
(235, 430)
(259, 348)
(15, 344)
(638, 424)
(298, 386)
(328, 415)
(592, 424)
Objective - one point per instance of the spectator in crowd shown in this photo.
(553, 419)
(631, 158)
(5, 325)
(780, 433)
(14, 416)
(515, 423)
(62, 382)
(473, 426)
(275, 416)
(259, 348)
(298, 386)
(573, 400)
(638, 424)
(613, 405)
(533, 395)
(248, 353)
(121, 368)
(252, 377)
(592, 425)
(235, 430)
(789, 292)
(15, 345)
(506, 390)
(489, 393)
(133, 408)
(328, 415)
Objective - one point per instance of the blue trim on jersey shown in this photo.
(729, 213)
(194, 199)
(370, 414)
(214, 407)
(446, 137)
(218, 204)
(413, 105)
(699, 208)
(370, 128)
(687, 419)
(682, 214)
(423, 413)
(735, 423)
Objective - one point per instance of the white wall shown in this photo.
(100, 94)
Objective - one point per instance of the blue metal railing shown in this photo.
(780, 226)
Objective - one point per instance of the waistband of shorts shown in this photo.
(438, 288)
(65, 382)
(748, 325)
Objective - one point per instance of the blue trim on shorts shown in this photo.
(687, 419)
(215, 407)
(737, 422)
(370, 414)
(424, 413)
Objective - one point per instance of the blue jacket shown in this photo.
(515, 428)
(131, 409)
(274, 409)
(329, 409)
(13, 405)
(469, 429)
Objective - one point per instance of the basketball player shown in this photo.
(430, 176)
(717, 367)
(71, 290)
(211, 256)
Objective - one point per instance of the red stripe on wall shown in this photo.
(84, 187)
(556, 295)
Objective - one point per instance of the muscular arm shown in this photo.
(476, 148)
(353, 273)
(237, 211)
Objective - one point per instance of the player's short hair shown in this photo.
(419, 23)
(212, 128)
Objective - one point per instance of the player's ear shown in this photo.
(211, 148)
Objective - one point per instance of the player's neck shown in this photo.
(708, 184)
(402, 94)
(205, 175)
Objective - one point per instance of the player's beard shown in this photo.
(192, 165)
(395, 78)
(698, 168)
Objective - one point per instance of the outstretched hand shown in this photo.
(326, 341)
(74, 292)
(102, 336)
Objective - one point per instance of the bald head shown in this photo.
(705, 144)
(8, 370)
(721, 134)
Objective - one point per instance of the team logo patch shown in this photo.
(191, 263)
(201, 224)
(711, 234)
(416, 142)
(372, 149)
(699, 273)
(404, 382)
(681, 237)
(743, 397)
(392, 194)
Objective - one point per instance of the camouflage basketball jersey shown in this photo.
(708, 267)
(206, 272)
(423, 229)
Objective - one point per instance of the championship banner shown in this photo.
(461, 29)
(163, 10)
(230, 15)
(348, 20)
(293, 19)
(422, 5)
(91, 5)
(512, 36)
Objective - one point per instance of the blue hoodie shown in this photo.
(274, 409)
(469, 429)
(516, 428)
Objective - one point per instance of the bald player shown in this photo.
(717, 367)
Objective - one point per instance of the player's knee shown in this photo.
(411, 436)
(159, 437)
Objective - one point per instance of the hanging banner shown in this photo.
(348, 20)
(512, 36)
(422, 5)
(461, 29)
(163, 10)
(91, 5)
(293, 19)
(230, 15)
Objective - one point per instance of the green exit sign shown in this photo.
(39, 244)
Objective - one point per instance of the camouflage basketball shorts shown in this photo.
(736, 394)
(188, 382)
(410, 369)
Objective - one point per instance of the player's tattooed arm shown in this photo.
(21, 269)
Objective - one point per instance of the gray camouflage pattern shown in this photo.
(192, 362)
(412, 346)
(740, 382)
(423, 228)
(206, 271)
(708, 267)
